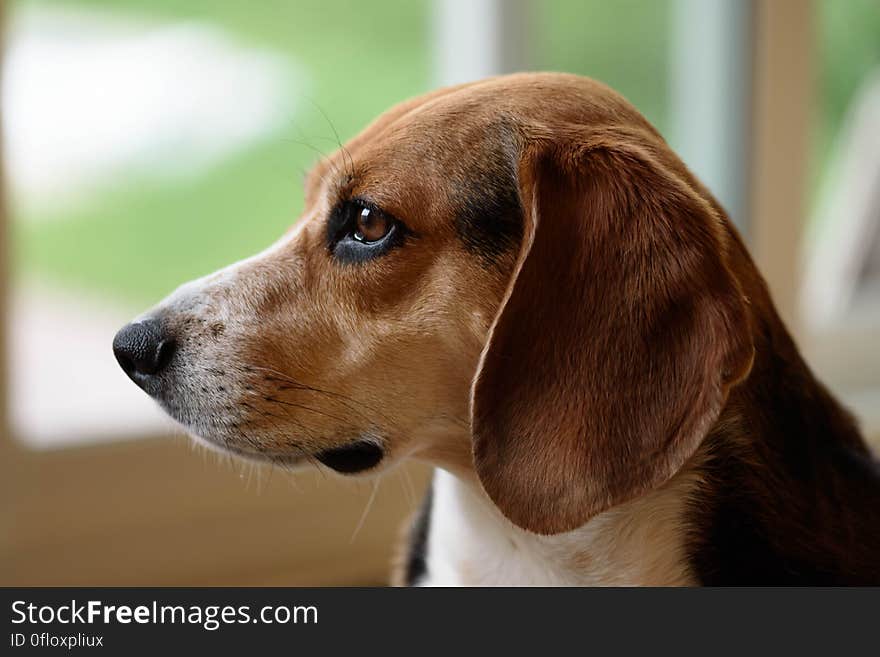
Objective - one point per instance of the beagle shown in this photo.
(519, 283)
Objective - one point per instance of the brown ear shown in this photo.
(620, 335)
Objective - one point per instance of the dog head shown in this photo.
(515, 277)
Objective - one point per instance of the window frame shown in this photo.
(784, 94)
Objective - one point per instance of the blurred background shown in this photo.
(147, 142)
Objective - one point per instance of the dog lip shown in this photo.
(275, 458)
(352, 458)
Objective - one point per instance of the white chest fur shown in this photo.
(639, 543)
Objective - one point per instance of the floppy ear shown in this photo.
(619, 337)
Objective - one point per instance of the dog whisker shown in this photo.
(298, 385)
(366, 510)
(273, 400)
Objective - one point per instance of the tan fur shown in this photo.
(643, 542)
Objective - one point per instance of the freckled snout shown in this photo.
(143, 350)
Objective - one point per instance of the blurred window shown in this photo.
(840, 295)
(147, 143)
(627, 44)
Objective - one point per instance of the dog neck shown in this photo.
(469, 542)
(782, 490)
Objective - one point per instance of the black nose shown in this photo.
(143, 349)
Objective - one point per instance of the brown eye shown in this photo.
(371, 226)
(358, 232)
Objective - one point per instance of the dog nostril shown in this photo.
(124, 361)
(164, 353)
(142, 349)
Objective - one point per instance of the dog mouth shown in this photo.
(355, 457)
(352, 458)
(212, 429)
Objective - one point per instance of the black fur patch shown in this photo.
(489, 218)
(417, 554)
(733, 548)
(798, 503)
(739, 542)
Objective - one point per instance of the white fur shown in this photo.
(471, 543)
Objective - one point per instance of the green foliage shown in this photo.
(623, 43)
(849, 50)
(141, 239)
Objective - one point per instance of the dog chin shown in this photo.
(357, 457)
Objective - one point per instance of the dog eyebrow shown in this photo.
(337, 178)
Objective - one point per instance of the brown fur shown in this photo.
(639, 358)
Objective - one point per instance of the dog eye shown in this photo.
(358, 232)
(371, 226)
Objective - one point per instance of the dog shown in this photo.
(518, 282)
